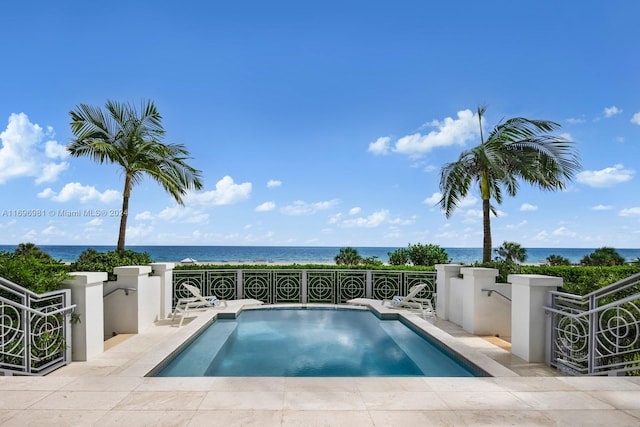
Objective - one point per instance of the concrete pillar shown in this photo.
(164, 270)
(137, 305)
(478, 315)
(445, 272)
(528, 319)
(86, 293)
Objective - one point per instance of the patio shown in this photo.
(111, 389)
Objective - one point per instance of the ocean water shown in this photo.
(300, 254)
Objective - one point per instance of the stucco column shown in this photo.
(164, 270)
(443, 287)
(477, 311)
(86, 293)
(528, 319)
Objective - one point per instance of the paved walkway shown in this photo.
(111, 389)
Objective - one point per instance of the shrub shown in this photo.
(420, 254)
(399, 257)
(557, 260)
(603, 256)
(31, 268)
(92, 260)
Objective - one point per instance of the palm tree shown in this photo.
(516, 149)
(348, 256)
(511, 251)
(132, 139)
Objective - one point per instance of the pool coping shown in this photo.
(448, 343)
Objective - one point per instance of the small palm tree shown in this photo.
(132, 139)
(511, 251)
(517, 149)
(348, 256)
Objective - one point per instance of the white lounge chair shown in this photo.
(196, 302)
(411, 302)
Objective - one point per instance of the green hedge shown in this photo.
(579, 280)
(300, 267)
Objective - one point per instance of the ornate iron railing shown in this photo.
(303, 285)
(35, 330)
(598, 333)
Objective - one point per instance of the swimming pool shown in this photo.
(286, 342)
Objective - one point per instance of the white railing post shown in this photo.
(87, 334)
(528, 319)
(164, 270)
(443, 287)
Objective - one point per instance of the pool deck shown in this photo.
(111, 389)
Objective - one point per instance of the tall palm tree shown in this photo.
(132, 139)
(516, 149)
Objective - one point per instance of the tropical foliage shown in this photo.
(399, 256)
(516, 149)
(419, 254)
(32, 268)
(511, 252)
(348, 256)
(132, 139)
(92, 260)
(557, 260)
(603, 256)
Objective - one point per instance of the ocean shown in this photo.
(300, 254)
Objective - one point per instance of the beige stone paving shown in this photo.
(112, 390)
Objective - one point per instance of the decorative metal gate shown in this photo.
(598, 333)
(35, 330)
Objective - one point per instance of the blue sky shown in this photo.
(319, 123)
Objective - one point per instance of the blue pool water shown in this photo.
(312, 343)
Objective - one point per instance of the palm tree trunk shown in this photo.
(486, 225)
(125, 212)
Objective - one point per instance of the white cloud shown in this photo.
(371, 221)
(354, 211)
(25, 153)
(611, 111)
(53, 150)
(303, 208)
(433, 199)
(563, 232)
(52, 231)
(144, 216)
(227, 192)
(50, 172)
(636, 119)
(602, 208)
(573, 121)
(526, 207)
(606, 177)
(95, 222)
(183, 214)
(265, 207)
(138, 231)
(272, 183)
(630, 212)
(448, 132)
(515, 226)
(83, 193)
(334, 219)
(380, 146)
(467, 202)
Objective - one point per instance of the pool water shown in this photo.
(311, 343)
